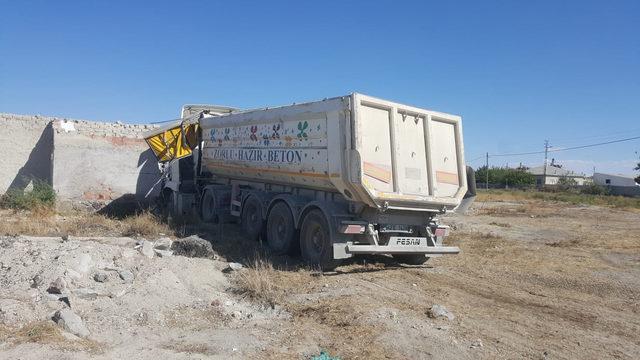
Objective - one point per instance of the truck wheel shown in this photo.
(315, 241)
(411, 259)
(280, 229)
(252, 223)
(208, 207)
(170, 211)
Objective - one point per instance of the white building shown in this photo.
(554, 174)
(613, 180)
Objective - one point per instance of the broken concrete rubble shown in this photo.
(438, 312)
(71, 322)
(193, 246)
(58, 286)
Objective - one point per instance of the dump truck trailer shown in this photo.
(328, 179)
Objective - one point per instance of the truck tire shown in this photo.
(315, 241)
(252, 224)
(281, 233)
(411, 259)
(170, 212)
(208, 207)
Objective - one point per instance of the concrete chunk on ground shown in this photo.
(234, 266)
(163, 253)
(71, 322)
(146, 249)
(100, 277)
(58, 286)
(193, 246)
(440, 312)
(126, 275)
(162, 243)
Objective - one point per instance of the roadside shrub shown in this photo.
(41, 196)
(594, 189)
(506, 177)
(567, 184)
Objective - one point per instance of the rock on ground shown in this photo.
(193, 246)
(234, 266)
(100, 277)
(439, 311)
(58, 286)
(126, 275)
(71, 322)
(163, 243)
(146, 249)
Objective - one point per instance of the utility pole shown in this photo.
(546, 150)
(486, 184)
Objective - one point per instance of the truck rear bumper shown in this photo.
(381, 249)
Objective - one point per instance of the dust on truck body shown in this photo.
(332, 178)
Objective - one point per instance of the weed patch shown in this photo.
(42, 196)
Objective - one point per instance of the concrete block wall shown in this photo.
(27, 148)
(83, 160)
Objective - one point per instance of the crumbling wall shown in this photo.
(27, 148)
(83, 160)
(102, 161)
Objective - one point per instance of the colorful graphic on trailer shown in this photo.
(306, 133)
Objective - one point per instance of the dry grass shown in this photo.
(264, 284)
(46, 332)
(191, 348)
(42, 332)
(619, 202)
(258, 282)
(144, 224)
(39, 223)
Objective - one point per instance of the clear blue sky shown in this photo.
(517, 71)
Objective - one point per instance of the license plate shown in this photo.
(408, 241)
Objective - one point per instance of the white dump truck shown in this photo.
(329, 179)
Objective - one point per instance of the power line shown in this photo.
(567, 148)
(598, 144)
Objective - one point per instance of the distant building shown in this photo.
(554, 173)
(613, 180)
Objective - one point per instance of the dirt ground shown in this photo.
(540, 280)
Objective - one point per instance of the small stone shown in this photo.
(236, 314)
(73, 274)
(71, 322)
(234, 266)
(53, 297)
(163, 243)
(100, 277)
(58, 286)
(65, 299)
(439, 311)
(476, 344)
(126, 275)
(37, 281)
(146, 249)
(163, 253)
(85, 293)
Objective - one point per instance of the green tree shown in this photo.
(504, 177)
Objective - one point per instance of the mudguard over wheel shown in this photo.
(281, 232)
(316, 245)
(252, 224)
